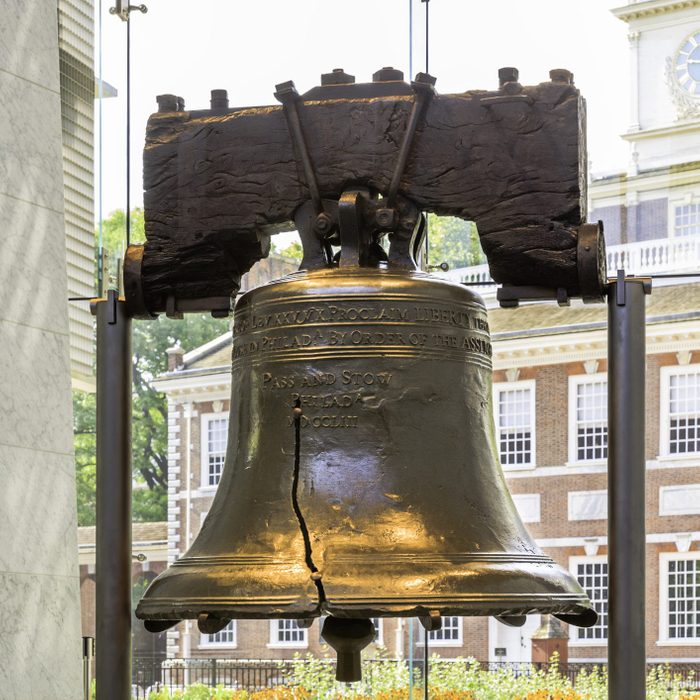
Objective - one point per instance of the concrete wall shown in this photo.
(39, 596)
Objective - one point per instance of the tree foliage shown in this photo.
(150, 340)
(453, 241)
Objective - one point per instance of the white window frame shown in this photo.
(378, 623)
(574, 640)
(575, 381)
(500, 387)
(674, 206)
(664, 559)
(205, 419)
(274, 642)
(665, 411)
(206, 643)
(433, 642)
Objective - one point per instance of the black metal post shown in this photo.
(626, 478)
(113, 566)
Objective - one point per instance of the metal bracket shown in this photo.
(510, 296)
(287, 94)
(424, 88)
(621, 288)
(123, 10)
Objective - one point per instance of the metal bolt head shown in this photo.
(561, 75)
(219, 99)
(323, 223)
(386, 74)
(167, 103)
(337, 77)
(385, 217)
(508, 75)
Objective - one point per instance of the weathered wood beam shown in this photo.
(219, 182)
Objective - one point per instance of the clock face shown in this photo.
(688, 64)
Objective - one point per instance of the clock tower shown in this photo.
(659, 196)
(664, 38)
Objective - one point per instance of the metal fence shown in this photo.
(154, 673)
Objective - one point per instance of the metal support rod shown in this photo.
(113, 566)
(425, 663)
(88, 655)
(410, 657)
(626, 478)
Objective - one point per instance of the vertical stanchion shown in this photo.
(113, 565)
(626, 478)
(426, 674)
(410, 658)
(88, 655)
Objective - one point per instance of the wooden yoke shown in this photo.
(219, 182)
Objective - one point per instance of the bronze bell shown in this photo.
(362, 477)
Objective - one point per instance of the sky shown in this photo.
(188, 47)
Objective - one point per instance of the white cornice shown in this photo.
(200, 387)
(532, 351)
(684, 127)
(651, 538)
(637, 10)
(665, 179)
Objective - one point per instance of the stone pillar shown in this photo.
(40, 645)
(548, 638)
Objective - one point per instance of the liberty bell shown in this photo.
(362, 477)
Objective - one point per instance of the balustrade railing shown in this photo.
(661, 256)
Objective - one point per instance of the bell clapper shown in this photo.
(348, 636)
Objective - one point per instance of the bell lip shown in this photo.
(570, 609)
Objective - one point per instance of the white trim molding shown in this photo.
(528, 506)
(588, 505)
(683, 499)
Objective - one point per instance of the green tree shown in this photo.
(150, 340)
(453, 241)
(293, 251)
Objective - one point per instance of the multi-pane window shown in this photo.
(449, 633)
(687, 220)
(224, 637)
(592, 575)
(683, 598)
(215, 432)
(515, 424)
(684, 411)
(287, 633)
(590, 418)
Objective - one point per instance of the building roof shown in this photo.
(680, 302)
(140, 533)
